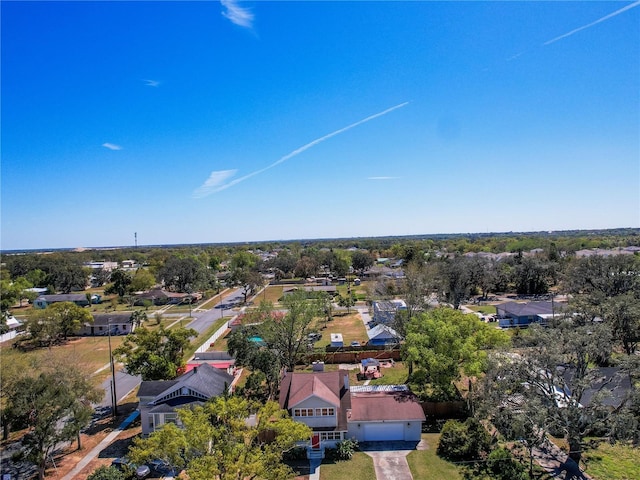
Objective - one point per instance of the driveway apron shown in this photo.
(391, 465)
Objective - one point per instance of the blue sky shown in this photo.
(199, 122)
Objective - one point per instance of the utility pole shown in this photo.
(114, 396)
(135, 238)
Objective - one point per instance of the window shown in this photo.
(325, 412)
(303, 412)
(331, 436)
(170, 418)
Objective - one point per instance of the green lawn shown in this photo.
(195, 343)
(350, 326)
(426, 464)
(484, 309)
(396, 375)
(612, 462)
(360, 467)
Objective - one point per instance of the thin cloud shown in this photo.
(217, 187)
(151, 83)
(242, 17)
(215, 179)
(513, 57)
(589, 25)
(383, 178)
(111, 146)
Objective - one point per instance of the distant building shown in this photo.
(385, 312)
(514, 314)
(383, 335)
(80, 299)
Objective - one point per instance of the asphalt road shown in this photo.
(125, 383)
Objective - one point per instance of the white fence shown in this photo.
(218, 333)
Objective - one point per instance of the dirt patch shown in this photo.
(67, 457)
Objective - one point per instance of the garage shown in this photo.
(375, 432)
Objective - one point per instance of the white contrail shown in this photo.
(205, 189)
(606, 17)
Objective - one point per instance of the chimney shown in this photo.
(346, 381)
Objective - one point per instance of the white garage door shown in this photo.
(383, 431)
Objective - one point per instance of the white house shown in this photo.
(160, 399)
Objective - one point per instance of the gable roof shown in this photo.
(305, 386)
(329, 386)
(204, 379)
(113, 318)
(382, 330)
(384, 406)
(529, 309)
(64, 297)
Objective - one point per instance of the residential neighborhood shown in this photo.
(372, 369)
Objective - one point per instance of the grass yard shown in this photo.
(273, 293)
(612, 462)
(426, 464)
(395, 375)
(360, 467)
(88, 352)
(200, 339)
(484, 309)
(349, 325)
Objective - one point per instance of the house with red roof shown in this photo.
(335, 411)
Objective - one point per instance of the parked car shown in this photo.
(125, 465)
(355, 344)
(314, 337)
(162, 468)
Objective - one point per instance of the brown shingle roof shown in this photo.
(377, 406)
(330, 386)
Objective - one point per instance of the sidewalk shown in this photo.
(101, 446)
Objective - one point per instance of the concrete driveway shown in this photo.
(390, 459)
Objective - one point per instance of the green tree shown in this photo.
(361, 260)
(66, 275)
(217, 443)
(186, 274)
(467, 440)
(57, 322)
(155, 354)
(306, 267)
(552, 372)
(348, 301)
(8, 295)
(106, 473)
(120, 283)
(142, 280)
(444, 342)
(68, 316)
(499, 465)
(455, 280)
(288, 335)
(54, 405)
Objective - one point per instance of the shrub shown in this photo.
(296, 453)
(463, 441)
(346, 448)
(106, 473)
(500, 465)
